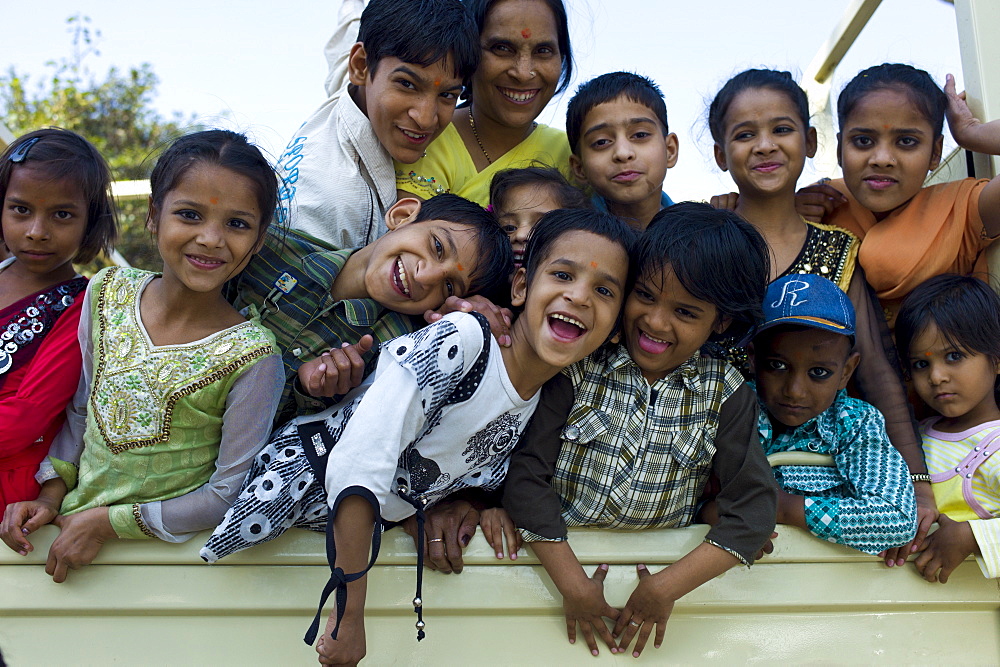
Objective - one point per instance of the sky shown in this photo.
(258, 66)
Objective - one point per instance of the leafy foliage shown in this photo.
(114, 112)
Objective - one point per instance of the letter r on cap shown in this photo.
(792, 289)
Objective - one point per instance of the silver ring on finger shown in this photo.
(437, 539)
(632, 622)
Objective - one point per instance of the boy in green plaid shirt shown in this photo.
(315, 297)
(627, 437)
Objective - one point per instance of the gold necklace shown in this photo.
(472, 123)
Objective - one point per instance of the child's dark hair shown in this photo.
(63, 154)
(716, 255)
(421, 32)
(222, 148)
(754, 79)
(607, 88)
(495, 254)
(540, 177)
(964, 309)
(480, 10)
(915, 83)
(554, 224)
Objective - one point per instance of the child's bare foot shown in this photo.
(349, 647)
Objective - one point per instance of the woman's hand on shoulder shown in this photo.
(81, 537)
(726, 202)
(817, 201)
(22, 519)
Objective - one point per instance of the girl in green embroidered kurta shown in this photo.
(178, 388)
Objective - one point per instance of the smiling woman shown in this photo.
(526, 59)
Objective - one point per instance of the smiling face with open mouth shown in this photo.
(572, 301)
(418, 265)
(886, 148)
(665, 324)
(521, 63)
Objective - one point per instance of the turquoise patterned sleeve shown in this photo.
(877, 509)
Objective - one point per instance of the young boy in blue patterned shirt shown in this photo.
(860, 493)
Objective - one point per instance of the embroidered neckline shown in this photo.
(137, 384)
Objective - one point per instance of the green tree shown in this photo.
(114, 111)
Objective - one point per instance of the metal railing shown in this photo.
(818, 80)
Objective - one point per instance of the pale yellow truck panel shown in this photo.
(810, 602)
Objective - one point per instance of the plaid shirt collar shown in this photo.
(619, 361)
(323, 267)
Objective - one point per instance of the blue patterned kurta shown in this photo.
(866, 501)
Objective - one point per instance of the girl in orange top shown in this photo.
(891, 118)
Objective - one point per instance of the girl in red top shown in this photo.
(55, 189)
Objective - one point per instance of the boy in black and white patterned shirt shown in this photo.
(442, 413)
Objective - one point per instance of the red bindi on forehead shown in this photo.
(593, 265)
(460, 267)
(437, 83)
(213, 200)
(526, 33)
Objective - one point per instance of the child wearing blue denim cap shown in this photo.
(860, 494)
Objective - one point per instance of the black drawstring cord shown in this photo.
(338, 579)
(418, 600)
